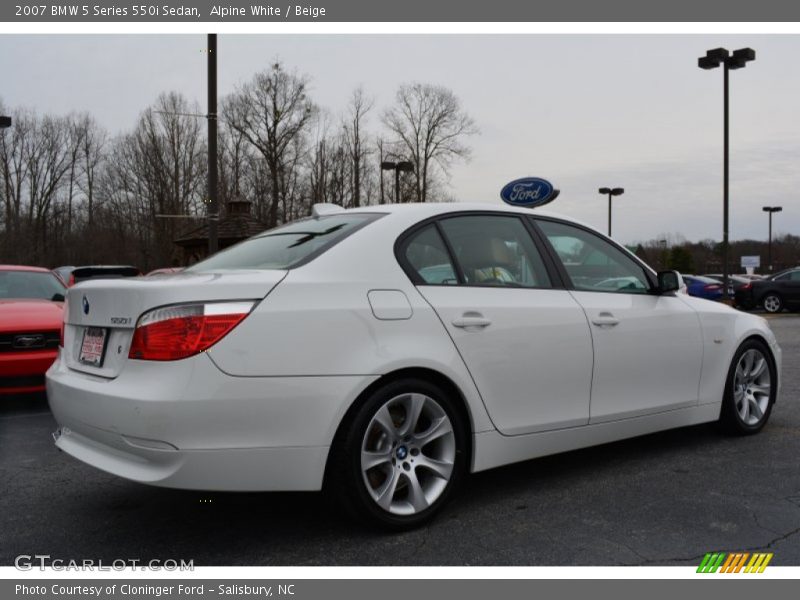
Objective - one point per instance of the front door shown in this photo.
(648, 348)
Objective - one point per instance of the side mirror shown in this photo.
(57, 298)
(668, 281)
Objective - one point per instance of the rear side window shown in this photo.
(426, 253)
(289, 245)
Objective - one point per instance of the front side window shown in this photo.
(286, 246)
(495, 251)
(592, 263)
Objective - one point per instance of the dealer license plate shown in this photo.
(94, 341)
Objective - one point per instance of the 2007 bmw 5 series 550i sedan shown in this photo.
(387, 351)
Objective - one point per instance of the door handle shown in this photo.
(469, 320)
(605, 319)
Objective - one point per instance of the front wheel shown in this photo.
(402, 455)
(750, 389)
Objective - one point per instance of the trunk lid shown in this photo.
(114, 306)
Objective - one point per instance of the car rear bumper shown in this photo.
(185, 424)
(23, 372)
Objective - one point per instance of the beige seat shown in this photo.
(487, 260)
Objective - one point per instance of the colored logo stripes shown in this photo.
(735, 562)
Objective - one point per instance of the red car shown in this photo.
(31, 312)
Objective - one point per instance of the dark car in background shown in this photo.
(775, 293)
(702, 287)
(73, 275)
(734, 281)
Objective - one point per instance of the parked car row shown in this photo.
(31, 316)
(774, 293)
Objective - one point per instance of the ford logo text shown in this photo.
(529, 192)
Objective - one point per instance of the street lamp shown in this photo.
(610, 192)
(5, 122)
(404, 166)
(770, 210)
(736, 60)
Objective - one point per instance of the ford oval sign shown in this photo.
(529, 192)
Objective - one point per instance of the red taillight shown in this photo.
(712, 287)
(747, 286)
(175, 332)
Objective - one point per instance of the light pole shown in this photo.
(770, 210)
(610, 192)
(404, 166)
(736, 60)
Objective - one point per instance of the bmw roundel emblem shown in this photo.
(85, 304)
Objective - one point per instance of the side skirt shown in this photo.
(492, 449)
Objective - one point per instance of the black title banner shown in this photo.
(405, 11)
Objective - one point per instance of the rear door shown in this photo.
(648, 348)
(523, 337)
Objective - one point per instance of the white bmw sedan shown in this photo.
(387, 351)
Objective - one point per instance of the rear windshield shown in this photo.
(287, 246)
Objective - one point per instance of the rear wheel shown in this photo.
(401, 457)
(750, 390)
(773, 303)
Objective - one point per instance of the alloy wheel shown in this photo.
(408, 454)
(752, 387)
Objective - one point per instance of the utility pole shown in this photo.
(213, 199)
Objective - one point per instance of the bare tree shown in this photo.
(429, 127)
(92, 153)
(355, 140)
(48, 163)
(14, 173)
(273, 112)
(159, 168)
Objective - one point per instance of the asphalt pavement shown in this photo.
(662, 499)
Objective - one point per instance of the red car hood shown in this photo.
(30, 315)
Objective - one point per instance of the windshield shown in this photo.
(30, 284)
(287, 246)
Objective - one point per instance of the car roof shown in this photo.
(423, 210)
(23, 268)
(789, 270)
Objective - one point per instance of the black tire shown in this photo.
(348, 483)
(772, 303)
(730, 419)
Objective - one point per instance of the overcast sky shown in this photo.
(584, 111)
